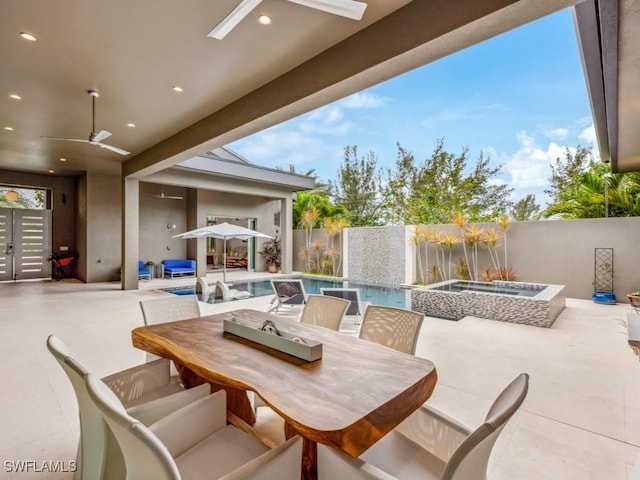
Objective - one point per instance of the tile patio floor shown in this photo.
(581, 419)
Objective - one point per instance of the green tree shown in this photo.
(443, 185)
(307, 200)
(358, 188)
(321, 188)
(598, 193)
(567, 170)
(525, 209)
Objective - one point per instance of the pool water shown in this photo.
(486, 287)
(374, 294)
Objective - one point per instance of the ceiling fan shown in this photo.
(168, 197)
(95, 138)
(345, 8)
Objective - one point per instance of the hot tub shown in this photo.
(516, 302)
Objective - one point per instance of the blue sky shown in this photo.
(520, 98)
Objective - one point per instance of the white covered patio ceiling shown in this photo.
(135, 52)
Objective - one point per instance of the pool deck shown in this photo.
(581, 419)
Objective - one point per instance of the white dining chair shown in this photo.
(194, 442)
(356, 306)
(145, 390)
(324, 311)
(431, 445)
(171, 308)
(397, 328)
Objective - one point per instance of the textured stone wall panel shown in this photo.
(377, 255)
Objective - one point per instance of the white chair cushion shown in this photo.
(238, 447)
(398, 455)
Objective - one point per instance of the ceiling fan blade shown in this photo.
(112, 148)
(235, 17)
(101, 135)
(344, 8)
(66, 139)
(166, 197)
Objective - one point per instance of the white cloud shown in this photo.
(557, 133)
(588, 135)
(529, 167)
(327, 120)
(364, 100)
(281, 147)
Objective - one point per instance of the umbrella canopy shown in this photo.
(222, 231)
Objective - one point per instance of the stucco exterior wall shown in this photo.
(160, 219)
(559, 252)
(103, 228)
(562, 252)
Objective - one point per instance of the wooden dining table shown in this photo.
(349, 399)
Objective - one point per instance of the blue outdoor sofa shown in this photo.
(173, 268)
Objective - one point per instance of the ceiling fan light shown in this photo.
(28, 36)
(12, 196)
(264, 19)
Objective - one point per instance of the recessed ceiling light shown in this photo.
(177, 88)
(63, 159)
(28, 36)
(52, 171)
(132, 125)
(10, 129)
(264, 19)
(15, 96)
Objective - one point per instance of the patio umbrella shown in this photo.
(222, 231)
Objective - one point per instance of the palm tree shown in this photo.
(308, 220)
(599, 193)
(491, 239)
(473, 237)
(461, 221)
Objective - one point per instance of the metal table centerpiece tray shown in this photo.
(269, 335)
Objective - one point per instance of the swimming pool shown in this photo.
(374, 294)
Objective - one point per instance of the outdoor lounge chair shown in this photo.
(289, 292)
(356, 307)
(430, 444)
(223, 291)
(145, 389)
(143, 272)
